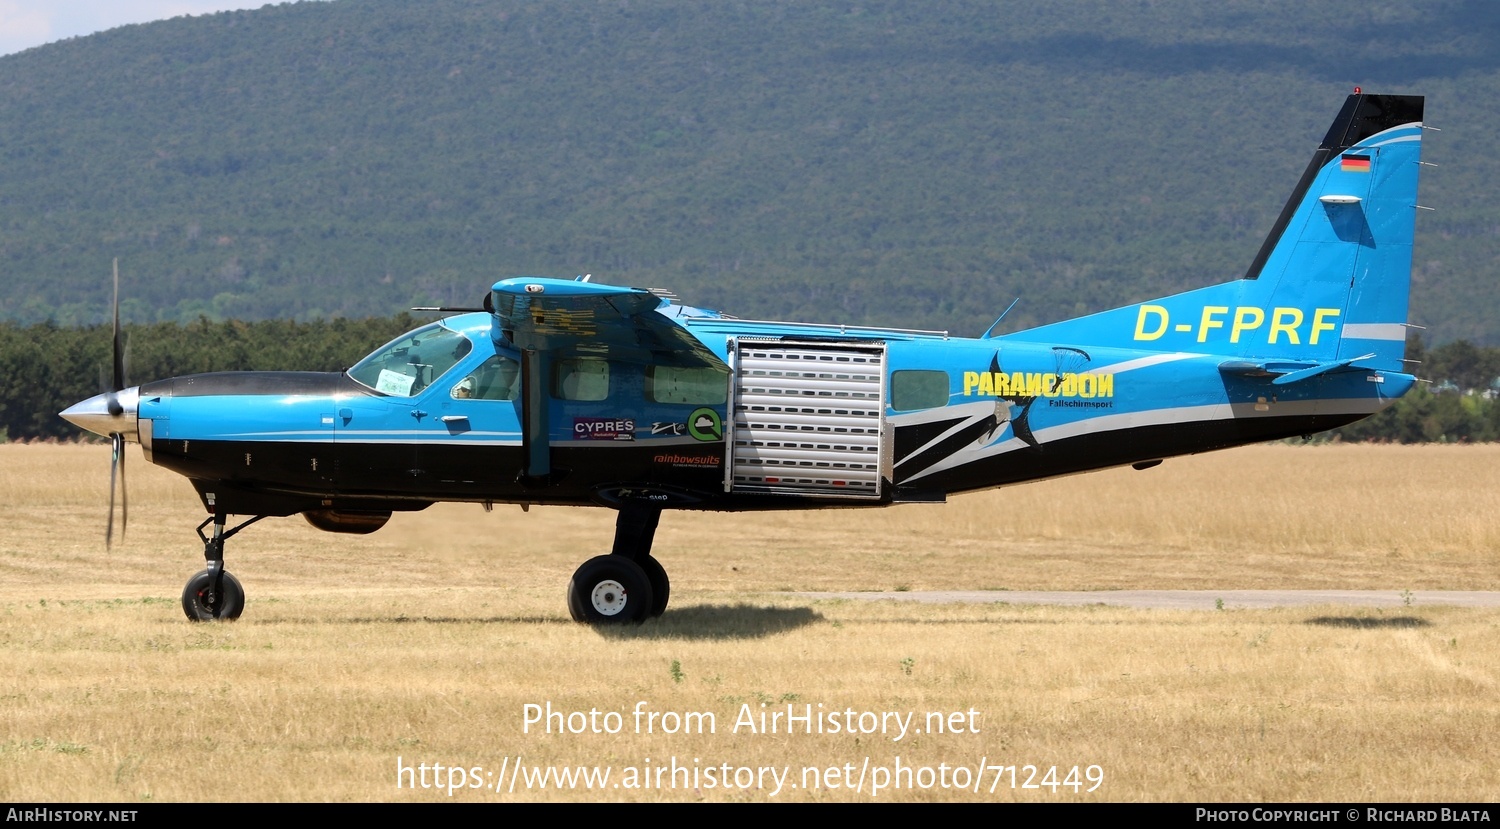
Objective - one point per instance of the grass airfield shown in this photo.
(425, 643)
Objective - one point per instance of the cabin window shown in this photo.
(499, 378)
(412, 362)
(581, 378)
(922, 389)
(696, 386)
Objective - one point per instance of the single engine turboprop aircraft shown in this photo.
(573, 392)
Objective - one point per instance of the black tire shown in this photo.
(609, 590)
(202, 604)
(661, 588)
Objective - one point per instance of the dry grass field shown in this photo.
(424, 644)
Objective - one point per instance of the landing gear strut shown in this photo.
(628, 585)
(213, 592)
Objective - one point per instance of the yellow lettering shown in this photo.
(971, 379)
(1277, 326)
(1319, 325)
(1140, 322)
(1243, 321)
(1086, 385)
(1034, 387)
(1049, 385)
(1018, 383)
(1002, 384)
(986, 384)
(1069, 387)
(1106, 385)
(1208, 321)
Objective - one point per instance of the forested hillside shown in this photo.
(917, 164)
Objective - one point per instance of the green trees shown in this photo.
(1456, 405)
(46, 368)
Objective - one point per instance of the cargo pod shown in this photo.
(808, 418)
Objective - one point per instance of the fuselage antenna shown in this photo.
(991, 329)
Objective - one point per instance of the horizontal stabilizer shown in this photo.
(1291, 371)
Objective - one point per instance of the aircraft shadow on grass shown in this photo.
(1369, 622)
(713, 621)
(720, 621)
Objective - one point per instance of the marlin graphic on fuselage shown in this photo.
(573, 392)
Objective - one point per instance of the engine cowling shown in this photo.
(357, 522)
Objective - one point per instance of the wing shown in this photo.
(564, 317)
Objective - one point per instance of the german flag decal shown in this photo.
(1355, 164)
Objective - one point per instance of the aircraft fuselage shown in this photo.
(952, 414)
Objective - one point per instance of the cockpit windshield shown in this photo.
(413, 361)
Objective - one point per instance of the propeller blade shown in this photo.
(116, 470)
(124, 490)
(117, 380)
(116, 439)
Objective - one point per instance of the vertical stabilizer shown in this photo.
(1331, 281)
(1351, 224)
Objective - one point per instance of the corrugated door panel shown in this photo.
(807, 419)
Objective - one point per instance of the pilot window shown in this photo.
(498, 378)
(922, 389)
(412, 362)
(581, 378)
(697, 386)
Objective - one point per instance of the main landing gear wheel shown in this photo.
(661, 588)
(203, 601)
(610, 590)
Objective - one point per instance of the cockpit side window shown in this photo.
(498, 378)
(412, 362)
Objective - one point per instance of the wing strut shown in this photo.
(534, 417)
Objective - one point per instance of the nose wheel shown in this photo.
(213, 593)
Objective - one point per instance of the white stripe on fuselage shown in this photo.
(368, 436)
(1153, 417)
(1144, 362)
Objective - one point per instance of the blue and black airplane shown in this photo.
(572, 392)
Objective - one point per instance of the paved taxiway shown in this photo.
(1190, 599)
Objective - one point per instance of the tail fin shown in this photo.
(1332, 280)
